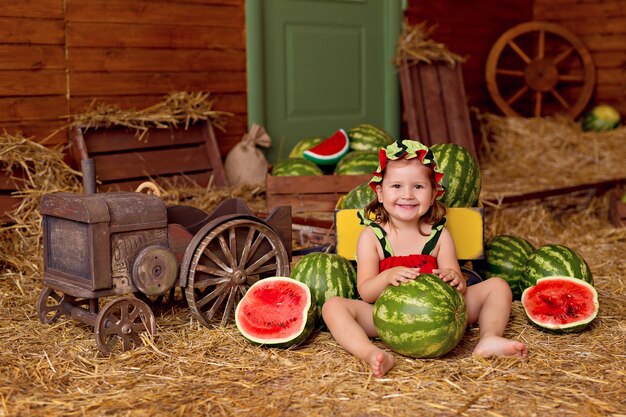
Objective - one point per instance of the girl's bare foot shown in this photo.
(381, 362)
(499, 346)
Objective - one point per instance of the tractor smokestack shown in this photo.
(89, 176)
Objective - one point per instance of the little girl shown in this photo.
(408, 237)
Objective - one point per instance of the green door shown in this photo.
(315, 66)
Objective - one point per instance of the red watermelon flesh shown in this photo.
(330, 151)
(561, 304)
(277, 311)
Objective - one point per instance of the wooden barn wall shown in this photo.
(57, 56)
(601, 25)
(470, 28)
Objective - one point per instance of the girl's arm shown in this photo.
(449, 269)
(371, 283)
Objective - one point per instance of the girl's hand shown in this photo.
(451, 277)
(399, 274)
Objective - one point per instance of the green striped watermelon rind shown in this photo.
(572, 327)
(359, 197)
(295, 166)
(357, 163)
(423, 318)
(505, 257)
(462, 177)
(298, 150)
(327, 275)
(367, 137)
(555, 260)
(317, 153)
(309, 316)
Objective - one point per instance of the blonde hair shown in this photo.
(435, 212)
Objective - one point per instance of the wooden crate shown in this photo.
(122, 161)
(435, 104)
(310, 193)
(8, 184)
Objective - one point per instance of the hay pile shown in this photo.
(188, 369)
(526, 155)
(177, 109)
(415, 45)
(43, 171)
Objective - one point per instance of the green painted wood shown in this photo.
(317, 66)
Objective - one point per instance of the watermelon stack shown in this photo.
(327, 275)
(298, 150)
(462, 178)
(367, 137)
(357, 163)
(555, 260)
(359, 197)
(505, 257)
(422, 318)
(295, 166)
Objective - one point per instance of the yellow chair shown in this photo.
(465, 225)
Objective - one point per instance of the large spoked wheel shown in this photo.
(121, 322)
(224, 259)
(540, 69)
(52, 305)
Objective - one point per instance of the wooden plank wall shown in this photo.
(57, 56)
(470, 28)
(601, 25)
(33, 82)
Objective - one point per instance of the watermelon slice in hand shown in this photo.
(330, 151)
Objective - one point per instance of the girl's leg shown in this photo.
(351, 323)
(489, 304)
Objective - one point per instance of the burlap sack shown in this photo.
(245, 163)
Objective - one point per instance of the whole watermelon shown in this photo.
(367, 137)
(357, 163)
(553, 260)
(461, 174)
(327, 275)
(359, 197)
(422, 318)
(505, 256)
(295, 166)
(602, 117)
(305, 144)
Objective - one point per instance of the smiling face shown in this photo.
(406, 191)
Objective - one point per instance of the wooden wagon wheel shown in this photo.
(120, 324)
(52, 305)
(224, 259)
(538, 69)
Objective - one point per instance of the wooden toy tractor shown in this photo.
(131, 248)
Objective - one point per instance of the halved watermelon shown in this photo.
(561, 304)
(276, 312)
(331, 150)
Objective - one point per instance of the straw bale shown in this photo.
(415, 46)
(189, 369)
(526, 155)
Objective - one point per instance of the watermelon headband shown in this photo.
(407, 149)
